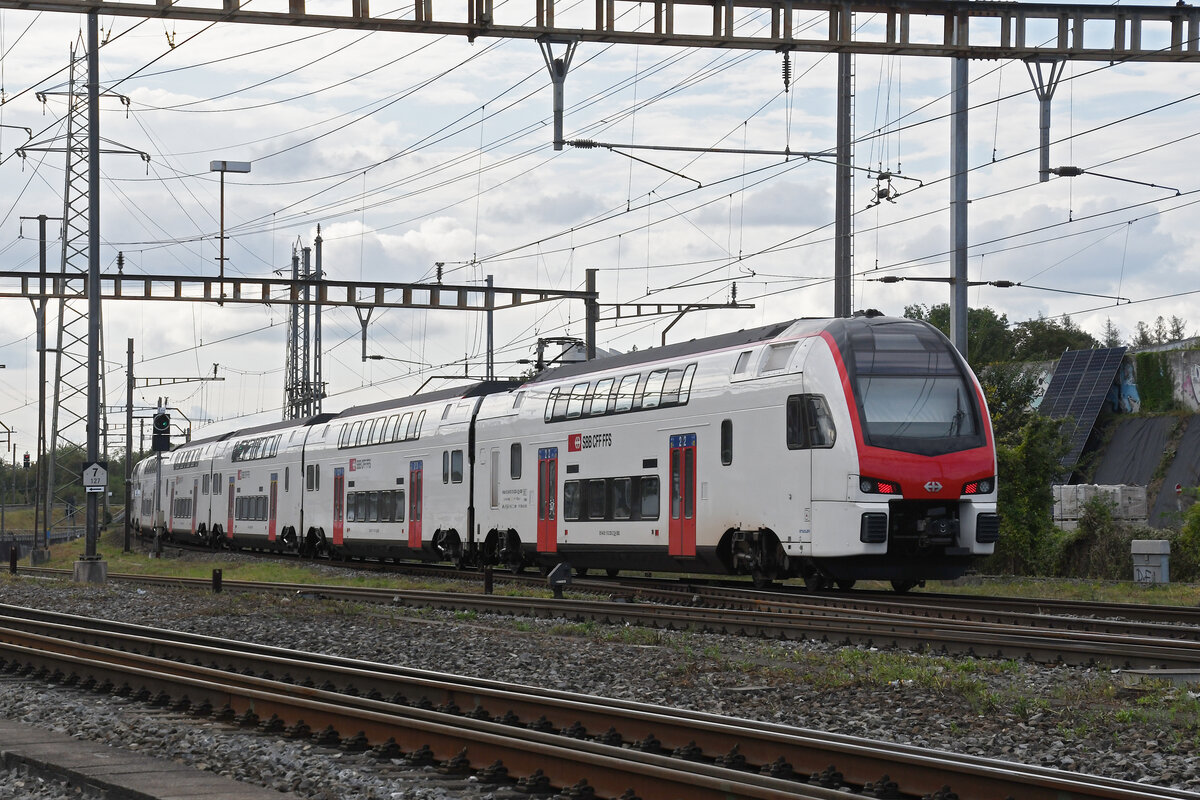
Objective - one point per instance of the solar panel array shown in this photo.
(1077, 390)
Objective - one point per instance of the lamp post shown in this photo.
(223, 167)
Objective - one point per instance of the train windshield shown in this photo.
(913, 392)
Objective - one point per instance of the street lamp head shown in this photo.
(229, 166)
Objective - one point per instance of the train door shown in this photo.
(339, 505)
(171, 508)
(416, 486)
(272, 512)
(547, 526)
(232, 491)
(683, 496)
(195, 502)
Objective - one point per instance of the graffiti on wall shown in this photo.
(1123, 397)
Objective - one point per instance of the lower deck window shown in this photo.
(385, 506)
(634, 498)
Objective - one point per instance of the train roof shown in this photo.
(266, 427)
(453, 393)
(722, 341)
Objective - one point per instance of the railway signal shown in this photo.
(26, 462)
(162, 432)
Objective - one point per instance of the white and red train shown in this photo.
(833, 450)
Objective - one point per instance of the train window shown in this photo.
(743, 361)
(342, 435)
(550, 404)
(795, 423)
(352, 437)
(377, 435)
(368, 432)
(204, 484)
(373, 510)
(445, 466)
(777, 356)
(596, 498)
(809, 423)
(820, 422)
(456, 466)
(575, 403)
(402, 428)
(560, 405)
(571, 505)
(317, 470)
(685, 385)
(599, 404)
(308, 477)
(625, 393)
(520, 398)
(350, 499)
(514, 461)
(387, 505)
(400, 505)
(689, 483)
(619, 497)
(415, 433)
(670, 392)
(648, 506)
(652, 394)
(446, 410)
(727, 442)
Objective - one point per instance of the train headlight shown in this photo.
(877, 486)
(981, 486)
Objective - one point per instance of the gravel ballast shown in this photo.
(1068, 718)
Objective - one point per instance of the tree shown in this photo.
(1160, 330)
(1111, 336)
(1142, 338)
(1045, 338)
(1029, 452)
(989, 340)
(1178, 330)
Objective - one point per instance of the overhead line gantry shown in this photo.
(953, 28)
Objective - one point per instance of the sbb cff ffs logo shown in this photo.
(588, 441)
(162, 432)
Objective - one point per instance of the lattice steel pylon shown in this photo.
(67, 449)
(303, 388)
(68, 426)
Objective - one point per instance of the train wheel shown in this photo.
(581, 572)
(900, 587)
(846, 584)
(816, 582)
(760, 579)
(612, 573)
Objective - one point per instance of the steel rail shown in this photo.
(878, 629)
(1051, 616)
(756, 744)
(470, 743)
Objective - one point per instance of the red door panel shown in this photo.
(339, 505)
(273, 511)
(232, 490)
(683, 496)
(415, 487)
(547, 526)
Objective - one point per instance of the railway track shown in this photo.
(505, 733)
(1045, 640)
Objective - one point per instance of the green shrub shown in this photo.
(1098, 548)
(1028, 463)
(1156, 387)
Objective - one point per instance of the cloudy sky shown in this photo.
(408, 150)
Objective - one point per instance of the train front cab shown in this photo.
(921, 503)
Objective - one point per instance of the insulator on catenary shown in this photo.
(787, 71)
